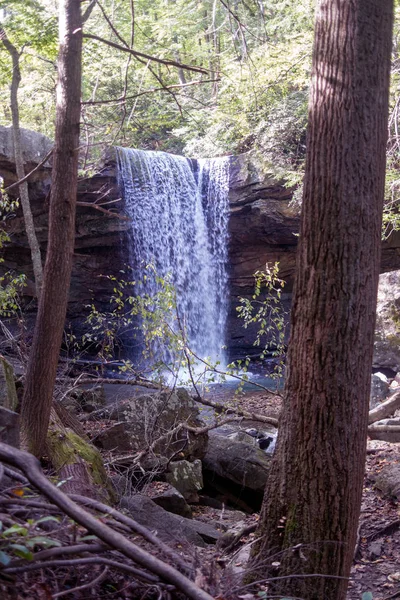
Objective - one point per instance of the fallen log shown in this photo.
(385, 409)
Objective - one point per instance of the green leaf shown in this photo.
(40, 540)
(22, 551)
(5, 559)
(367, 596)
(15, 529)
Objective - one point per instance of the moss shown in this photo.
(64, 448)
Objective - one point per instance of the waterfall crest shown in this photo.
(179, 212)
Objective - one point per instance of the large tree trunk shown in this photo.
(312, 500)
(19, 163)
(43, 359)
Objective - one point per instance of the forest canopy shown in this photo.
(243, 84)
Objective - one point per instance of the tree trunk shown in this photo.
(43, 359)
(19, 163)
(312, 501)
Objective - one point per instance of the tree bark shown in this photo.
(43, 360)
(312, 501)
(19, 163)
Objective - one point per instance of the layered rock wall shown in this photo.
(263, 228)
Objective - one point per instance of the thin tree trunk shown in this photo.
(19, 163)
(43, 360)
(312, 501)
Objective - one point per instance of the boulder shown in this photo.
(85, 399)
(35, 146)
(168, 497)
(144, 419)
(241, 462)
(387, 329)
(379, 389)
(187, 477)
(236, 470)
(387, 480)
(9, 427)
(169, 527)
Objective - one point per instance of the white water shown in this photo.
(180, 225)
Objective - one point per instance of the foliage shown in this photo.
(255, 59)
(21, 540)
(10, 284)
(265, 310)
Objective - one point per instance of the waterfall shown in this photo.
(179, 213)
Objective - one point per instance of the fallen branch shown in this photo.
(137, 381)
(221, 408)
(386, 409)
(386, 530)
(134, 459)
(133, 526)
(383, 428)
(82, 561)
(30, 466)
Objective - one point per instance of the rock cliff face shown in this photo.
(263, 228)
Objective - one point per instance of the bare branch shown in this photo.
(165, 88)
(133, 526)
(42, 162)
(162, 61)
(30, 466)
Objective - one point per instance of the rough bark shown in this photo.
(19, 164)
(43, 359)
(312, 500)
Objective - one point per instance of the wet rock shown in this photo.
(387, 329)
(187, 477)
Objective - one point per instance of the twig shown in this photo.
(386, 530)
(30, 466)
(133, 526)
(83, 561)
(64, 550)
(85, 586)
(165, 88)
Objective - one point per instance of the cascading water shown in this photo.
(179, 212)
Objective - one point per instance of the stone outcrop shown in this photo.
(147, 419)
(263, 228)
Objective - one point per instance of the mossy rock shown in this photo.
(69, 452)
